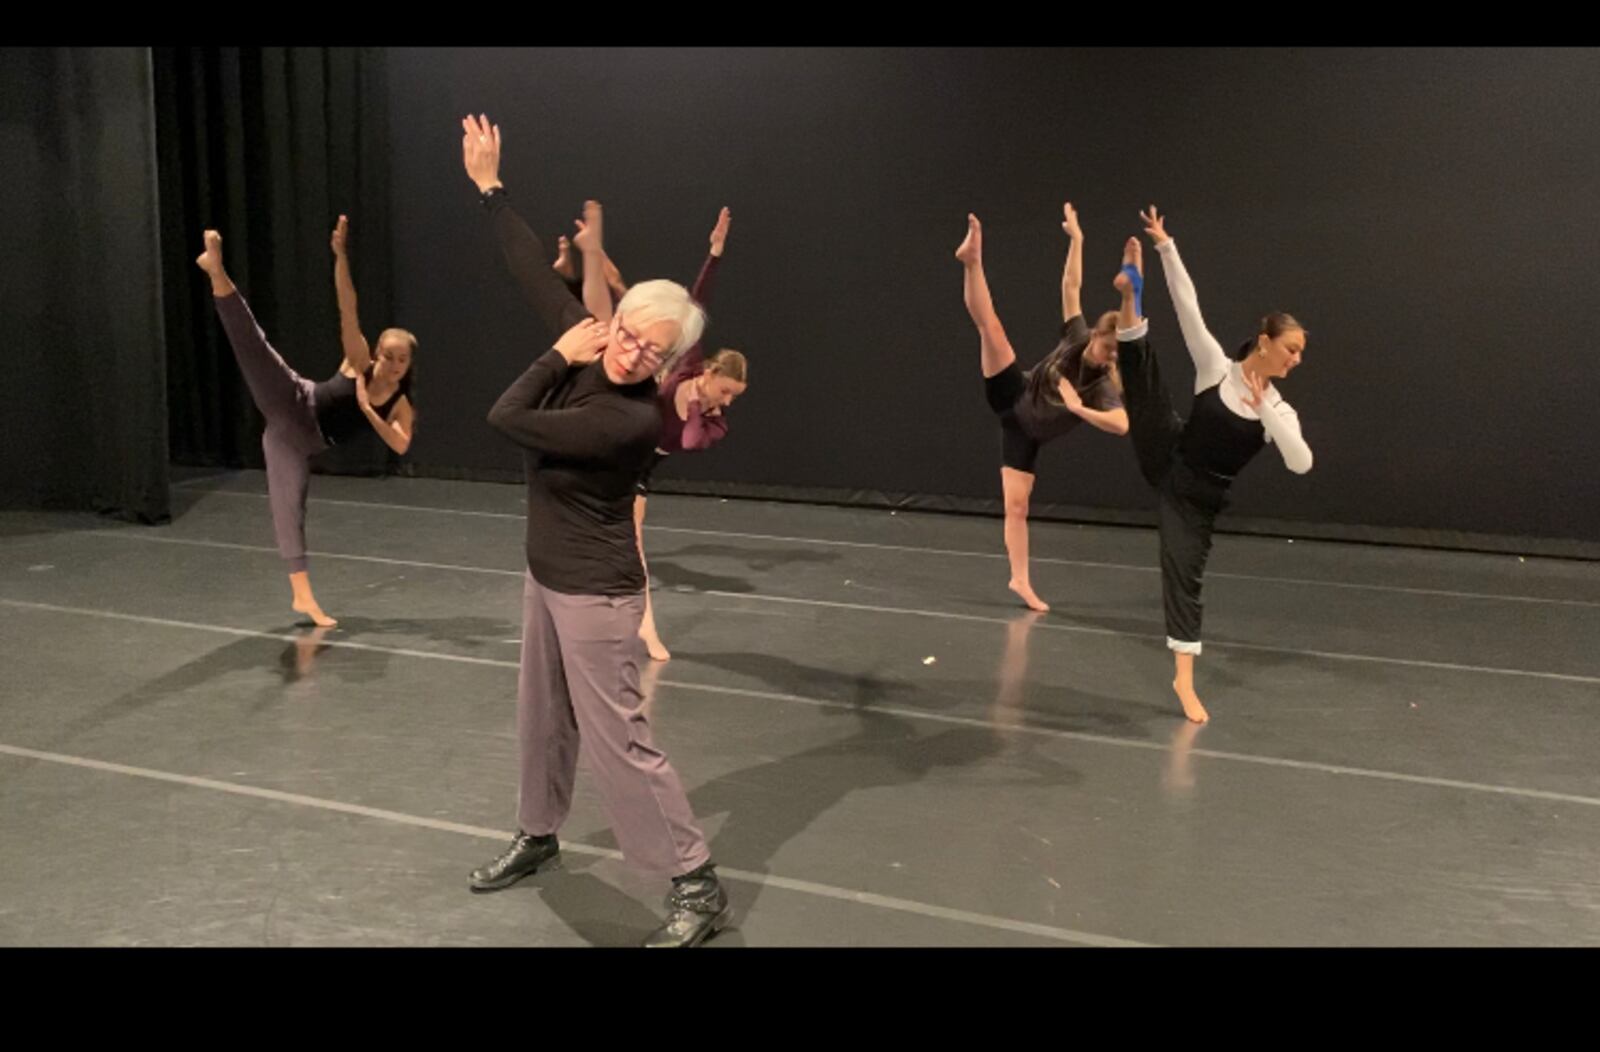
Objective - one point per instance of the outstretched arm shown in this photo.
(708, 270)
(524, 253)
(701, 293)
(1072, 275)
(590, 240)
(1210, 362)
(357, 353)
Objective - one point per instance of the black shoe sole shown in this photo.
(710, 931)
(505, 882)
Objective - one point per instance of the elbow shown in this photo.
(497, 418)
(1301, 464)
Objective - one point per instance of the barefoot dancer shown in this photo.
(1076, 382)
(585, 414)
(573, 276)
(1192, 464)
(304, 418)
(694, 393)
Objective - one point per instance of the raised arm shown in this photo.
(1210, 361)
(590, 240)
(701, 293)
(524, 253)
(1072, 275)
(357, 353)
(586, 433)
(708, 270)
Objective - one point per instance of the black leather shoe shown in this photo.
(523, 858)
(698, 909)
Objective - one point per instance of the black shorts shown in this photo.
(1003, 391)
(642, 487)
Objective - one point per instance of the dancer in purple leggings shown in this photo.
(371, 389)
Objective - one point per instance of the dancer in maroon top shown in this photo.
(694, 393)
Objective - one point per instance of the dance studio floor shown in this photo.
(884, 748)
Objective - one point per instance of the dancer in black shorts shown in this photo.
(1077, 381)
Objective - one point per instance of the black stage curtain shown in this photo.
(1428, 213)
(83, 419)
(268, 146)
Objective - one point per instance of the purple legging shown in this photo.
(292, 436)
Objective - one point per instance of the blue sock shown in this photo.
(1138, 287)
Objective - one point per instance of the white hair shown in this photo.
(662, 300)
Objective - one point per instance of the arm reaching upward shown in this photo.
(1210, 361)
(1072, 274)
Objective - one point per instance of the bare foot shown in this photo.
(1191, 703)
(563, 264)
(210, 260)
(971, 250)
(310, 608)
(653, 644)
(1133, 253)
(1025, 590)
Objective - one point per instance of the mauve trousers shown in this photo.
(292, 436)
(580, 680)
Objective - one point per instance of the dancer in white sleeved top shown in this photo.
(1192, 463)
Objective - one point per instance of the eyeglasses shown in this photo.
(649, 354)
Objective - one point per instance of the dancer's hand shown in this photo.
(1257, 388)
(584, 341)
(480, 152)
(1070, 225)
(362, 398)
(1070, 397)
(341, 234)
(1155, 226)
(719, 233)
(591, 228)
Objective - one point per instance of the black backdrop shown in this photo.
(83, 421)
(1429, 215)
(269, 146)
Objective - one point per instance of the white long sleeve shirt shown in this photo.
(1213, 367)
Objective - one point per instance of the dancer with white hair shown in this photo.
(586, 415)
